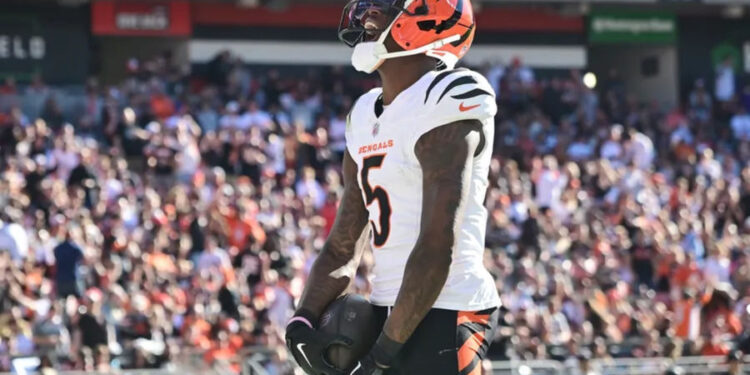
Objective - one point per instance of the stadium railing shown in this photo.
(254, 357)
(252, 360)
(188, 362)
(706, 365)
(70, 99)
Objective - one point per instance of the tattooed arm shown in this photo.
(445, 155)
(337, 262)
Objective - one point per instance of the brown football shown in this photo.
(351, 316)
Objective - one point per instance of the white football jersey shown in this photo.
(381, 141)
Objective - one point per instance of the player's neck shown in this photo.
(400, 73)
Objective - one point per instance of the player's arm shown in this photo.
(337, 263)
(445, 155)
(330, 276)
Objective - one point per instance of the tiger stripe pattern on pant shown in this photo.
(472, 330)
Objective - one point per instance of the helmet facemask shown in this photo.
(352, 26)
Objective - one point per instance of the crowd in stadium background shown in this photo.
(179, 210)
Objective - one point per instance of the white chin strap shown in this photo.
(424, 49)
(368, 56)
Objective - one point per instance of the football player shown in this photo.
(416, 169)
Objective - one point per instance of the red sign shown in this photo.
(141, 18)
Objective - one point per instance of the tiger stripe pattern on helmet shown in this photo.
(428, 21)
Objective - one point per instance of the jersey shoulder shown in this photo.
(360, 115)
(452, 96)
(460, 94)
(363, 108)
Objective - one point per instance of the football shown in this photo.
(351, 316)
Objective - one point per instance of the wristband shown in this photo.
(300, 319)
(385, 350)
(305, 316)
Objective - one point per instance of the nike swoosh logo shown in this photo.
(464, 109)
(299, 347)
(356, 368)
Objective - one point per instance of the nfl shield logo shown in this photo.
(375, 129)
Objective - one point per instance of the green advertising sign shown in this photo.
(632, 28)
(726, 50)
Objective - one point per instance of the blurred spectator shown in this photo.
(52, 114)
(549, 184)
(68, 259)
(725, 80)
(521, 72)
(213, 258)
(231, 118)
(336, 134)
(612, 148)
(301, 105)
(687, 316)
(640, 149)
(161, 105)
(716, 265)
(740, 124)
(254, 117)
(308, 187)
(581, 148)
(51, 336)
(700, 103)
(37, 86)
(208, 118)
(90, 331)
(13, 238)
(92, 111)
(9, 86)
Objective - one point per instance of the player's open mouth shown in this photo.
(372, 31)
(373, 27)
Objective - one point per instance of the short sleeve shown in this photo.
(453, 96)
(358, 117)
(348, 131)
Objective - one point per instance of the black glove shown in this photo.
(309, 346)
(379, 359)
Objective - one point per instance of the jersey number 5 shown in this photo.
(379, 194)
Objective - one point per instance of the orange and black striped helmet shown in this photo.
(443, 29)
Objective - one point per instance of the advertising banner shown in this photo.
(53, 44)
(632, 28)
(141, 18)
(22, 45)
